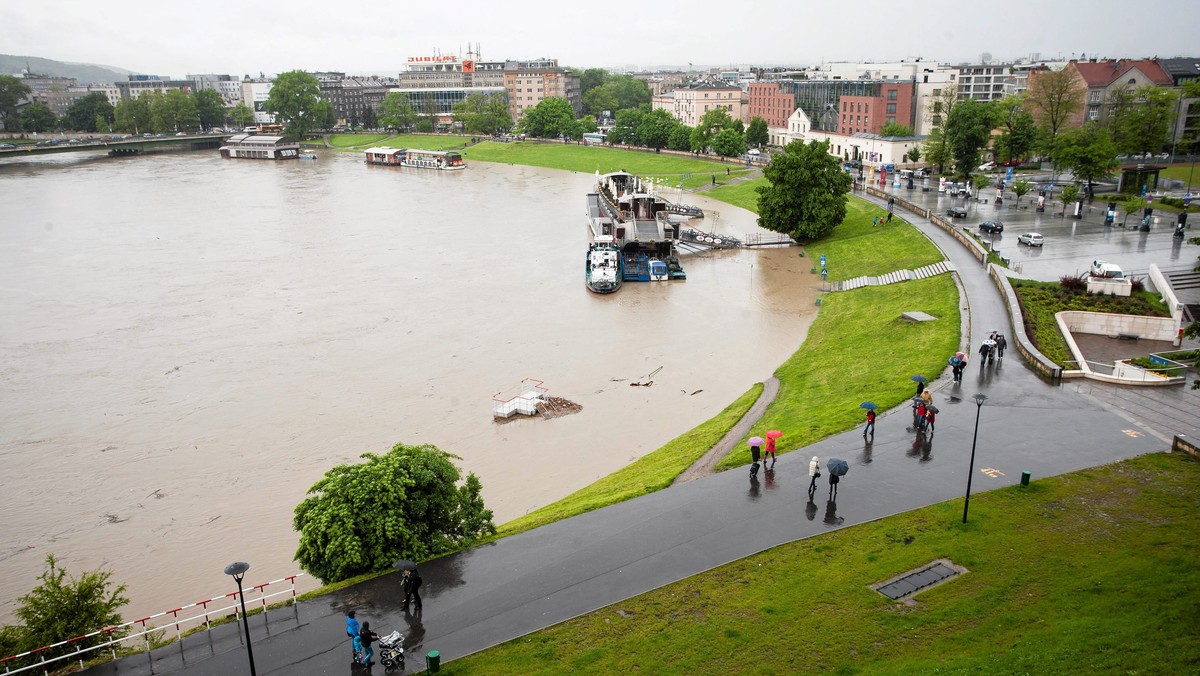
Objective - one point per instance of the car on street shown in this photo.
(957, 212)
(1031, 239)
(1102, 268)
(987, 166)
(991, 226)
(6, 146)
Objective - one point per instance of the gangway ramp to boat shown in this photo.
(696, 240)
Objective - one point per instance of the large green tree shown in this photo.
(681, 137)
(61, 608)
(968, 129)
(133, 115)
(173, 111)
(1141, 118)
(710, 124)
(1018, 129)
(404, 504)
(729, 143)
(937, 150)
(937, 145)
(655, 129)
(550, 118)
(211, 108)
(1053, 98)
(82, 114)
(757, 134)
(12, 90)
(37, 117)
(482, 113)
(806, 196)
(625, 127)
(295, 100)
(1088, 151)
(242, 115)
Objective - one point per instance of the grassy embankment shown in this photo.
(1089, 572)
(1041, 300)
(589, 159)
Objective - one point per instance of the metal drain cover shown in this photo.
(914, 581)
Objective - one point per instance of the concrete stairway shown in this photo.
(894, 277)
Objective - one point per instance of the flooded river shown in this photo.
(188, 343)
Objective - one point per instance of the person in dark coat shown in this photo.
(755, 453)
(1001, 343)
(920, 388)
(367, 637)
(930, 416)
(412, 588)
(985, 352)
(833, 483)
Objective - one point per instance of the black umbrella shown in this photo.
(933, 408)
(404, 564)
(918, 379)
(838, 467)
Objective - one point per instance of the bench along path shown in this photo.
(894, 277)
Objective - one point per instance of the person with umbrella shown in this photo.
(755, 449)
(986, 355)
(837, 469)
(870, 406)
(957, 363)
(411, 581)
(930, 416)
(771, 437)
(920, 380)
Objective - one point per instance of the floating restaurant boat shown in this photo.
(261, 147)
(603, 268)
(416, 158)
(639, 222)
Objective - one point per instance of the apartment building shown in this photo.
(528, 83)
(689, 103)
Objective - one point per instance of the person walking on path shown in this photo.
(875, 222)
(930, 416)
(412, 588)
(919, 419)
(870, 424)
(352, 630)
(814, 471)
(1001, 343)
(985, 355)
(833, 484)
(889, 218)
(755, 454)
(928, 397)
(920, 388)
(770, 451)
(366, 637)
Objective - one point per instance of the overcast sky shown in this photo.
(172, 38)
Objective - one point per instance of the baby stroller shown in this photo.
(391, 652)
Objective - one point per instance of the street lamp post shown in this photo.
(979, 399)
(238, 571)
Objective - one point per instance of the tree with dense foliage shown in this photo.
(396, 111)
(711, 122)
(81, 115)
(654, 129)
(211, 108)
(481, 113)
(599, 100)
(681, 137)
(404, 504)
(913, 155)
(550, 118)
(295, 100)
(895, 129)
(625, 127)
(1021, 188)
(937, 146)
(241, 114)
(12, 91)
(757, 134)
(1088, 151)
(37, 117)
(936, 150)
(61, 608)
(174, 110)
(1053, 97)
(133, 115)
(1140, 119)
(968, 129)
(729, 143)
(806, 196)
(1019, 131)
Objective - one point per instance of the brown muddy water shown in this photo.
(188, 343)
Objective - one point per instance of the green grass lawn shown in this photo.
(436, 142)
(363, 141)
(592, 158)
(742, 194)
(1041, 300)
(856, 247)
(653, 471)
(1182, 172)
(1089, 572)
(859, 349)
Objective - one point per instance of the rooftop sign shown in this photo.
(433, 59)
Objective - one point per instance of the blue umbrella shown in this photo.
(838, 467)
(869, 405)
(955, 360)
(918, 379)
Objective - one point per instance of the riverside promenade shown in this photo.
(500, 591)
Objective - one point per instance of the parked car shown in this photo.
(957, 212)
(991, 226)
(1031, 238)
(987, 166)
(6, 146)
(1162, 156)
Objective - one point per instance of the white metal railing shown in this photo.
(114, 636)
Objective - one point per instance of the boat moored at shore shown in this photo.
(603, 268)
(261, 147)
(639, 222)
(416, 158)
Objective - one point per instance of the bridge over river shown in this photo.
(133, 145)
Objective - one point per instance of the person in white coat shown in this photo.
(814, 471)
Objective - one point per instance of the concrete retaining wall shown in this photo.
(1033, 357)
(1168, 296)
(1100, 323)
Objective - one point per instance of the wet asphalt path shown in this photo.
(498, 592)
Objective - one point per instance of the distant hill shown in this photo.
(85, 73)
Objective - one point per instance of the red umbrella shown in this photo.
(774, 434)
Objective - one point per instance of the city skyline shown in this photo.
(377, 37)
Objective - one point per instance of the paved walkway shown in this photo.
(707, 463)
(490, 594)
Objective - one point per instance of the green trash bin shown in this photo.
(1025, 478)
(433, 661)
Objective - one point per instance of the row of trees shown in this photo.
(1138, 120)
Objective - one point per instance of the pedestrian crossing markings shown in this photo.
(992, 472)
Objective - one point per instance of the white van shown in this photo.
(1105, 269)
